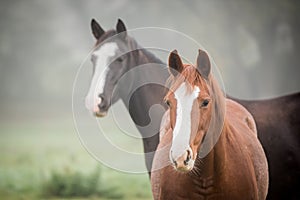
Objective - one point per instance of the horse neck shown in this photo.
(210, 166)
(151, 72)
(138, 93)
(140, 57)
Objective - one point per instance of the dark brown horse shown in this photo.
(278, 125)
(277, 119)
(234, 166)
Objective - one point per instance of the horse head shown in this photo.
(110, 59)
(190, 101)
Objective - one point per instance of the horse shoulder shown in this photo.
(246, 133)
(237, 112)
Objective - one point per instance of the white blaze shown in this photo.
(102, 56)
(182, 129)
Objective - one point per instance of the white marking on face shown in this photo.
(182, 129)
(102, 56)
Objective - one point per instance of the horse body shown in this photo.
(140, 66)
(278, 125)
(136, 100)
(227, 172)
(236, 167)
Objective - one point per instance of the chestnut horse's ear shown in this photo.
(121, 27)
(96, 29)
(203, 64)
(175, 63)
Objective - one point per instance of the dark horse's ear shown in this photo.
(121, 28)
(203, 64)
(96, 29)
(175, 63)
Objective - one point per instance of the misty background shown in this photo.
(255, 45)
(42, 43)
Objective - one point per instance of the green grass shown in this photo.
(45, 160)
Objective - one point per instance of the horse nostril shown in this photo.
(189, 155)
(102, 103)
(175, 163)
(101, 96)
(188, 158)
(172, 159)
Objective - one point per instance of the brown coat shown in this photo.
(236, 168)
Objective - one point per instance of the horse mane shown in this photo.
(137, 49)
(191, 75)
(188, 74)
(151, 56)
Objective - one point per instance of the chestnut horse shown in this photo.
(202, 119)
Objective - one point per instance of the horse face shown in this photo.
(109, 64)
(190, 112)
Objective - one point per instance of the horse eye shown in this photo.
(119, 59)
(93, 58)
(205, 103)
(168, 103)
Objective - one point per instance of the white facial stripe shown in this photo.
(102, 56)
(182, 129)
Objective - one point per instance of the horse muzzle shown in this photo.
(100, 111)
(183, 163)
(97, 106)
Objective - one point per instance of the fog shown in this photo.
(42, 43)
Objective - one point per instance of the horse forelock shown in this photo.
(189, 75)
(105, 36)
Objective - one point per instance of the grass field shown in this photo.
(45, 160)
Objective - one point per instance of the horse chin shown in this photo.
(185, 168)
(100, 114)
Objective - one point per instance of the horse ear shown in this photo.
(121, 27)
(175, 63)
(96, 29)
(203, 63)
